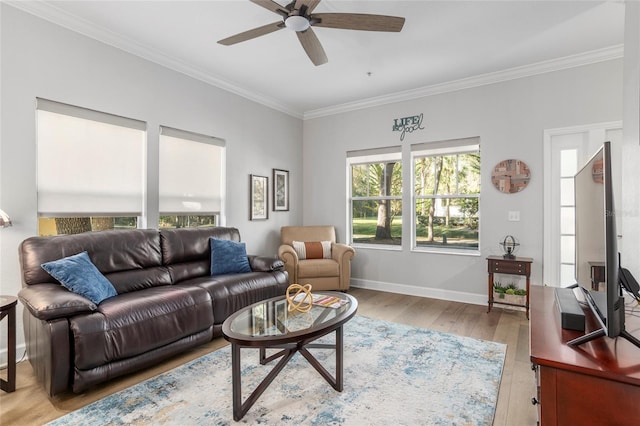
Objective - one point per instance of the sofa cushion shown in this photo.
(230, 293)
(312, 249)
(312, 268)
(133, 323)
(228, 257)
(185, 245)
(79, 274)
(112, 252)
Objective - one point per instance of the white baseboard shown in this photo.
(434, 293)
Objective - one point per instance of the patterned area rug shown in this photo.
(393, 374)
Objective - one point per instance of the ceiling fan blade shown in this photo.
(358, 21)
(256, 32)
(272, 6)
(312, 46)
(311, 4)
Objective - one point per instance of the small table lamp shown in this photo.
(5, 220)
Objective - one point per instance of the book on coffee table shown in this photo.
(323, 300)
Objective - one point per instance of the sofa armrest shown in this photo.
(265, 264)
(342, 252)
(50, 301)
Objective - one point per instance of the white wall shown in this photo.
(40, 59)
(509, 117)
(630, 230)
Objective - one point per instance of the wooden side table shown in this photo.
(597, 274)
(517, 266)
(8, 309)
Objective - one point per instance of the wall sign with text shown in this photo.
(408, 125)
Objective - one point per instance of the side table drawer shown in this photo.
(503, 267)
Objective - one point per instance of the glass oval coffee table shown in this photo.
(269, 325)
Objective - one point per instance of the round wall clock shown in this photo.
(510, 176)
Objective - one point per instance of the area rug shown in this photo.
(393, 374)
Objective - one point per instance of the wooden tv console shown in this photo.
(596, 383)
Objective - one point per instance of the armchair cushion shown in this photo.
(228, 257)
(312, 249)
(79, 274)
(318, 268)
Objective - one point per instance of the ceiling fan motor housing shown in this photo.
(297, 23)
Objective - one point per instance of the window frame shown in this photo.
(366, 157)
(437, 149)
(197, 138)
(66, 124)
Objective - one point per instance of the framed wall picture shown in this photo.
(280, 190)
(259, 197)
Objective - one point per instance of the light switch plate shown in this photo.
(514, 216)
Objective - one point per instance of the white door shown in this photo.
(565, 151)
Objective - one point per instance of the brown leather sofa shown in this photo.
(167, 302)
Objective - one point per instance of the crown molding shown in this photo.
(600, 55)
(51, 13)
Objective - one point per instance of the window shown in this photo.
(375, 196)
(90, 169)
(191, 180)
(446, 193)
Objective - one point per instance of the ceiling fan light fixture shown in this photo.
(297, 23)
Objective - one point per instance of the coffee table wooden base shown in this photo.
(287, 352)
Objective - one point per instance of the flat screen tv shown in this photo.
(597, 249)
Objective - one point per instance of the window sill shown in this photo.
(447, 251)
(376, 247)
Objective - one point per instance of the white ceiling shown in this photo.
(444, 45)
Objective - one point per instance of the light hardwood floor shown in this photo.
(29, 404)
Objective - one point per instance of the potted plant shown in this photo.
(498, 291)
(509, 294)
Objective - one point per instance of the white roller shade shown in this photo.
(374, 155)
(448, 147)
(191, 172)
(89, 163)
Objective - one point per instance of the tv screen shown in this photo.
(597, 264)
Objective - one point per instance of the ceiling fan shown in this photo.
(298, 17)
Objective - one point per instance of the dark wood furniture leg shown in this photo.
(9, 385)
(528, 291)
(490, 291)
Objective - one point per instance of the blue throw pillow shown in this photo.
(228, 257)
(80, 275)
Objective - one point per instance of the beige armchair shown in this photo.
(328, 269)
